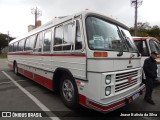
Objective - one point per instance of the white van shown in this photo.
(146, 45)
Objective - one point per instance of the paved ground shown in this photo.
(30, 96)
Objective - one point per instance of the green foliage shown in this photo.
(4, 41)
(3, 55)
(145, 30)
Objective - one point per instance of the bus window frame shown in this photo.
(147, 47)
(74, 36)
(43, 37)
(37, 35)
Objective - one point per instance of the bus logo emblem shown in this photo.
(129, 79)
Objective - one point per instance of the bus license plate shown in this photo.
(135, 96)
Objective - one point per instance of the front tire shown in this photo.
(69, 91)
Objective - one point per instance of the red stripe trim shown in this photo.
(43, 81)
(28, 74)
(107, 107)
(20, 70)
(82, 100)
(143, 38)
(29, 54)
(37, 78)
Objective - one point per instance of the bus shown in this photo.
(146, 45)
(89, 58)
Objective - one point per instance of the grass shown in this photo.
(3, 55)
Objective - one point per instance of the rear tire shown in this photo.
(15, 68)
(68, 91)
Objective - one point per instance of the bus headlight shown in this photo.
(108, 79)
(108, 90)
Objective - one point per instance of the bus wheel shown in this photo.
(15, 68)
(69, 91)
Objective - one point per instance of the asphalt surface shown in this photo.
(32, 97)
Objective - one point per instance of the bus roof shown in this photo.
(60, 20)
(143, 38)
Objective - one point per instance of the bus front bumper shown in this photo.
(118, 103)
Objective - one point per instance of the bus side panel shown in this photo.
(40, 76)
(76, 64)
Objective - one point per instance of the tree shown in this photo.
(4, 41)
(144, 30)
(141, 26)
(155, 32)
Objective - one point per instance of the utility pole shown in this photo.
(136, 4)
(36, 12)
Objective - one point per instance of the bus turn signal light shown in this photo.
(100, 54)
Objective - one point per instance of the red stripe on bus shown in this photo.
(107, 107)
(43, 81)
(37, 78)
(20, 70)
(82, 100)
(29, 54)
(143, 38)
(28, 74)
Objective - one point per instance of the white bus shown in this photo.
(90, 58)
(146, 45)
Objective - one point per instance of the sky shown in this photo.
(15, 15)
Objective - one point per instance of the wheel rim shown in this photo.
(68, 90)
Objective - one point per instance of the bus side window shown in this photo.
(27, 44)
(139, 46)
(142, 47)
(47, 41)
(38, 44)
(21, 45)
(145, 51)
(58, 39)
(68, 37)
(78, 40)
(10, 48)
(18, 46)
(30, 42)
(15, 47)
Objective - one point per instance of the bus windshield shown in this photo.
(154, 46)
(103, 35)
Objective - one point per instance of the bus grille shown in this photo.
(123, 82)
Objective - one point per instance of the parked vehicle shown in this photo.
(146, 45)
(90, 58)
